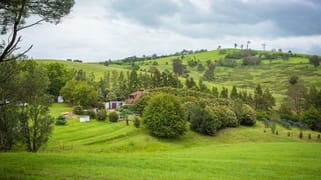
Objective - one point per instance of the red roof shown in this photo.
(134, 96)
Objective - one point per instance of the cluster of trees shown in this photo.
(24, 86)
(24, 102)
(166, 115)
(302, 104)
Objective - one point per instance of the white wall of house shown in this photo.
(115, 104)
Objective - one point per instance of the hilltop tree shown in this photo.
(315, 60)
(178, 67)
(14, 15)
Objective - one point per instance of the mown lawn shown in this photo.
(225, 161)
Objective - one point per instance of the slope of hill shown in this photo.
(269, 74)
(100, 150)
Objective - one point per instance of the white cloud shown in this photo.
(96, 31)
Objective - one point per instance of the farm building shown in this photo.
(135, 96)
(114, 104)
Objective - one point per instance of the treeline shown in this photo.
(133, 59)
(302, 104)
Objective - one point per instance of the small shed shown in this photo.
(84, 118)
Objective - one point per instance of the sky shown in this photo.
(98, 30)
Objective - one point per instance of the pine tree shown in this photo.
(234, 94)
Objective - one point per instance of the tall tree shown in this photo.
(178, 67)
(14, 15)
(8, 108)
(234, 94)
(315, 60)
(35, 121)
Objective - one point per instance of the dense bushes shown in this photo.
(312, 118)
(78, 110)
(61, 120)
(164, 116)
(101, 115)
(204, 120)
(113, 117)
(208, 119)
(247, 116)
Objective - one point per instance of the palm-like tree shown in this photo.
(247, 44)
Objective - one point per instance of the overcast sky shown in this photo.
(98, 30)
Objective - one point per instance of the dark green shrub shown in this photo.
(61, 120)
(318, 136)
(204, 119)
(113, 117)
(312, 118)
(91, 113)
(301, 135)
(273, 127)
(289, 134)
(226, 116)
(309, 136)
(137, 122)
(78, 110)
(141, 103)
(101, 115)
(247, 116)
(164, 116)
(101, 105)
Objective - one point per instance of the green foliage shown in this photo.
(227, 116)
(178, 67)
(137, 122)
(204, 119)
(61, 120)
(209, 73)
(312, 117)
(247, 116)
(35, 121)
(251, 60)
(91, 113)
(101, 115)
(141, 103)
(58, 75)
(227, 62)
(164, 116)
(113, 117)
(315, 60)
(79, 93)
(78, 110)
(8, 109)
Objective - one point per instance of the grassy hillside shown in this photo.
(274, 74)
(100, 150)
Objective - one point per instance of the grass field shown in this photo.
(104, 150)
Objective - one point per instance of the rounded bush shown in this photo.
(91, 113)
(164, 116)
(248, 116)
(204, 119)
(101, 115)
(226, 116)
(61, 120)
(78, 110)
(113, 117)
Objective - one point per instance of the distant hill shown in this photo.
(273, 71)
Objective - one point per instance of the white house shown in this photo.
(115, 104)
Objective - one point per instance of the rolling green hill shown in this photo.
(269, 74)
(105, 150)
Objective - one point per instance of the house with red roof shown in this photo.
(134, 96)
